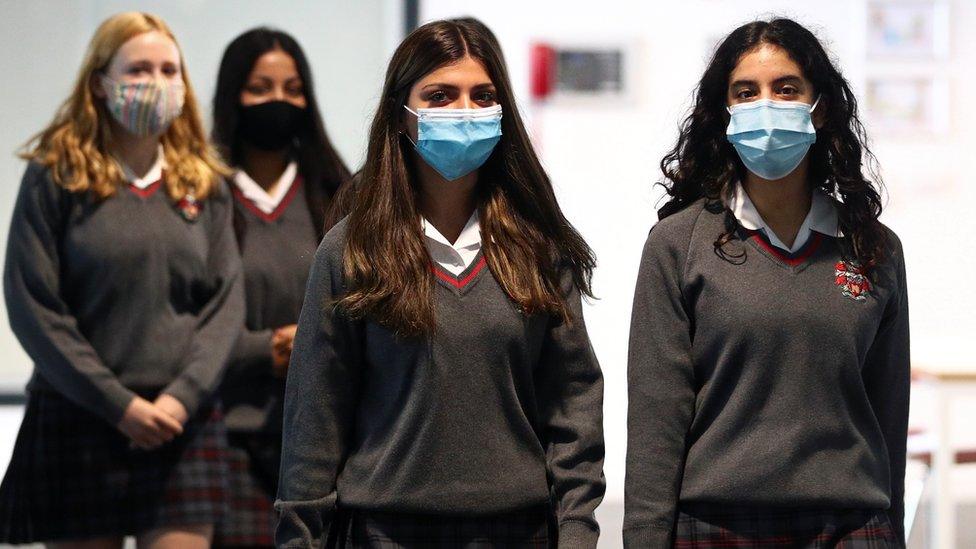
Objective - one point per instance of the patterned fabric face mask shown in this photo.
(145, 108)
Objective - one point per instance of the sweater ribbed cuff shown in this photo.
(254, 348)
(117, 399)
(576, 534)
(645, 537)
(187, 392)
(304, 524)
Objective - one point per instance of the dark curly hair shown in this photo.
(703, 164)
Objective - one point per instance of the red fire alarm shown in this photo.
(543, 67)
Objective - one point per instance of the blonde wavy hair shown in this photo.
(75, 146)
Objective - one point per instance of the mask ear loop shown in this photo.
(815, 103)
(403, 133)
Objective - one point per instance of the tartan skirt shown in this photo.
(707, 526)
(253, 460)
(73, 476)
(531, 528)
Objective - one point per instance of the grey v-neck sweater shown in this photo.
(477, 419)
(767, 380)
(277, 252)
(122, 296)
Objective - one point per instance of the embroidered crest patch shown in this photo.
(189, 207)
(852, 280)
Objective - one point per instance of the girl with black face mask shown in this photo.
(267, 125)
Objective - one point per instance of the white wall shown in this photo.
(347, 42)
(603, 157)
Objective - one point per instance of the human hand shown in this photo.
(282, 342)
(147, 425)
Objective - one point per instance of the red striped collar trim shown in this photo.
(280, 209)
(148, 191)
(793, 259)
(460, 283)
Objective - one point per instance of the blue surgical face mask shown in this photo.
(772, 137)
(456, 142)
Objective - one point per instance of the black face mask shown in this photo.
(272, 125)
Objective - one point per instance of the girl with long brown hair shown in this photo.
(122, 283)
(442, 389)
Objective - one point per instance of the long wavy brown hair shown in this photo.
(75, 145)
(527, 241)
(704, 164)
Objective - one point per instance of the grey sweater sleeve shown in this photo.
(571, 400)
(887, 379)
(320, 399)
(220, 319)
(252, 353)
(39, 316)
(661, 390)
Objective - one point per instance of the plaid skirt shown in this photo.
(73, 476)
(379, 530)
(712, 526)
(253, 460)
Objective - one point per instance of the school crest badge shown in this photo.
(189, 208)
(853, 281)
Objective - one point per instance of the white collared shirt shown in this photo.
(264, 201)
(457, 257)
(154, 174)
(821, 218)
